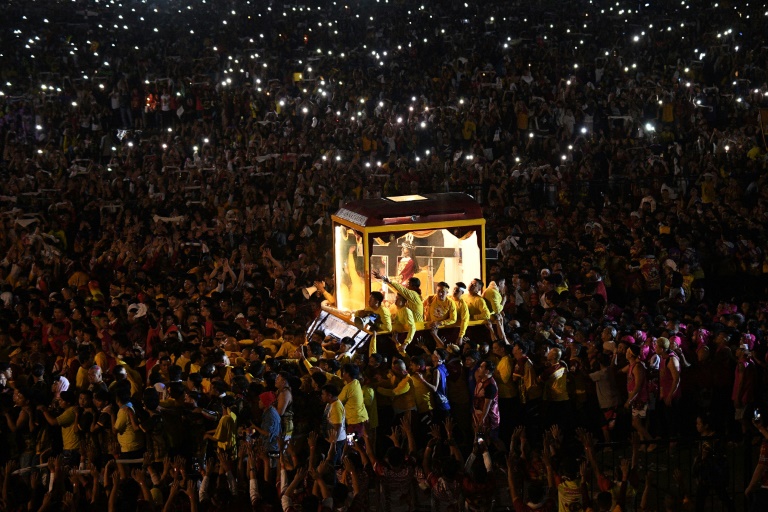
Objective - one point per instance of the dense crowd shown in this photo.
(169, 171)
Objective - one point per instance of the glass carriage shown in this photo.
(435, 237)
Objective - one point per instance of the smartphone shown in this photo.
(757, 415)
(351, 438)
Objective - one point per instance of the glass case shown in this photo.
(438, 237)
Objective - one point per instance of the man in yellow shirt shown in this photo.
(462, 312)
(439, 310)
(125, 425)
(333, 419)
(508, 390)
(67, 420)
(225, 434)
(402, 321)
(412, 294)
(400, 388)
(352, 398)
(555, 391)
(496, 298)
(384, 322)
(478, 310)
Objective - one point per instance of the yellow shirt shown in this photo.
(371, 407)
(413, 300)
(129, 439)
(441, 311)
(385, 317)
(402, 321)
(423, 396)
(462, 316)
(272, 345)
(66, 421)
(81, 379)
(354, 402)
(503, 378)
(182, 362)
(494, 300)
(226, 433)
(286, 350)
(478, 310)
(403, 398)
(555, 388)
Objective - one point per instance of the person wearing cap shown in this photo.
(269, 430)
(478, 309)
(411, 293)
(744, 387)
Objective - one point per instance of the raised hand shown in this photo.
(138, 475)
(395, 436)
(449, 428)
(434, 431)
(191, 491)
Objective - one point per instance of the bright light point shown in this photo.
(649, 127)
(195, 148)
(338, 158)
(399, 120)
(727, 148)
(563, 157)
(583, 130)
(423, 124)
(170, 129)
(530, 135)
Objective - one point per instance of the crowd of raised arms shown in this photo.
(168, 175)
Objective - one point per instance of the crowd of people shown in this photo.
(169, 172)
